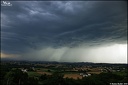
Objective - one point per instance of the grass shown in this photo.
(44, 69)
(33, 74)
(121, 73)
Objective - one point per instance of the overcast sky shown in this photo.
(70, 31)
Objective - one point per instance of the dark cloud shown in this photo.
(37, 24)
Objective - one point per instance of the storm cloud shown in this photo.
(62, 30)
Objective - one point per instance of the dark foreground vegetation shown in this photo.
(13, 75)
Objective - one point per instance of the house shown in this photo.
(81, 74)
(24, 70)
(33, 68)
(85, 74)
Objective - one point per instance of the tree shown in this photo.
(16, 77)
(55, 79)
(32, 81)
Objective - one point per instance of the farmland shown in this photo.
(67, 74)
(42, 72)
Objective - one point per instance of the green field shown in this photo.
(33, 74)
(45, 69)
(123, 73)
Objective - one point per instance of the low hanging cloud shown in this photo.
(63, 30)
(116, 53)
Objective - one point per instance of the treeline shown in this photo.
(17, 77)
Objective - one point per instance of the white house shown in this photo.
(24, 70)
(85, 74)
